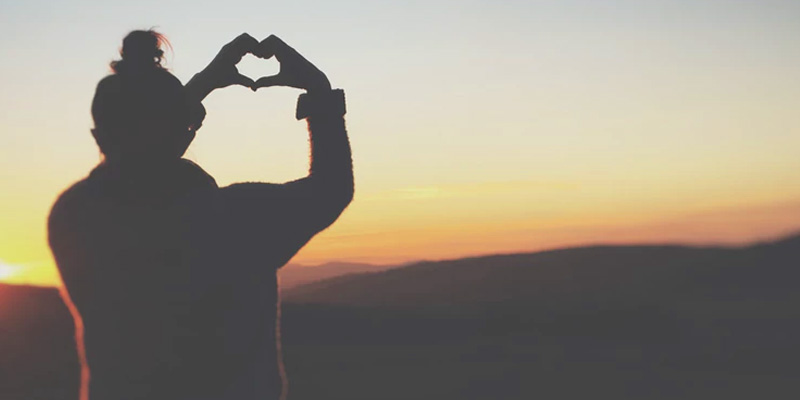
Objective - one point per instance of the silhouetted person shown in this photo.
(175, 278)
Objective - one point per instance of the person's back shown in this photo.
(175, 278)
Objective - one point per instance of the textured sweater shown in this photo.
(174, 278)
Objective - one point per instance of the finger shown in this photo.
(240, 79)
(244, 40)
(267, 81)
(262, 52)
(273, 45)
(266, 48)
(240, 46)
(247, 43)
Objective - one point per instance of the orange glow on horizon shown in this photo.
(416, 232)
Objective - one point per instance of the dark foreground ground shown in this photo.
(612, 322)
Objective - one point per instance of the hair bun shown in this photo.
(141, 50)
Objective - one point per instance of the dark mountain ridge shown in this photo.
(293, 275)
(573, 274)
(628, 322)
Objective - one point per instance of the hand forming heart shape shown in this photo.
(295, 70)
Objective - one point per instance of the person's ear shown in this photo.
(108, 146)
(101, 138)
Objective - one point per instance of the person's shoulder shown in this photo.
(195, 176)
(248, 200)
(248, 190)
(72, 198)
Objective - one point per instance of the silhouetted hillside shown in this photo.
(294, 275)
(577, 275)
(624, 322)
(38, 359)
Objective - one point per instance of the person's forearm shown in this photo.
(331, 160)
(198, 88)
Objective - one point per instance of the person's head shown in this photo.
(141, 112)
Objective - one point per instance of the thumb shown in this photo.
(267, 81)
(240, 79)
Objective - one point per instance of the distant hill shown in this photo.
(38, 359)
(293, 275)
(574, 275)
(622, 322)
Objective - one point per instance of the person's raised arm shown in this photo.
(330, 180)
(288, 215)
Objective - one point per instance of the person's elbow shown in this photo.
(347, 195)
(342, 198)
(339, 190)
(335, 201)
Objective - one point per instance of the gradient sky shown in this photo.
(477, 126)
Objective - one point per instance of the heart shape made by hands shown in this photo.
(255, 67)
(293, 69)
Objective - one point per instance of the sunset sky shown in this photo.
(477, 127)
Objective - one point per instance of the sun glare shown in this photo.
(7, 271)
